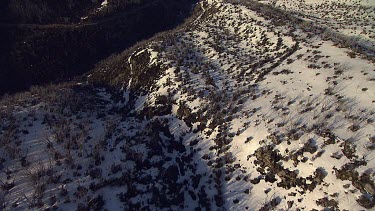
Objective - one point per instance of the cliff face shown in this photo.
(37, 54)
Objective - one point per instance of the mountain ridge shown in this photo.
(229, 111)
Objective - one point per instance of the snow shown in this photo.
(104, 4)
(244, 84)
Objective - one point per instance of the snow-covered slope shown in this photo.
(234, 110)
(354, 18)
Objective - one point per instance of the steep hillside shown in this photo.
(34, 53)
(245, 106)
(62, 11)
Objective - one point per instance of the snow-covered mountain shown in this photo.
(246, 106)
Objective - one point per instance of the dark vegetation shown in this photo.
(41, 11)
(63, 113)
(40, 48)
(61, 11)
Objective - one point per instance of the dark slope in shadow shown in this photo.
(38, 54)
